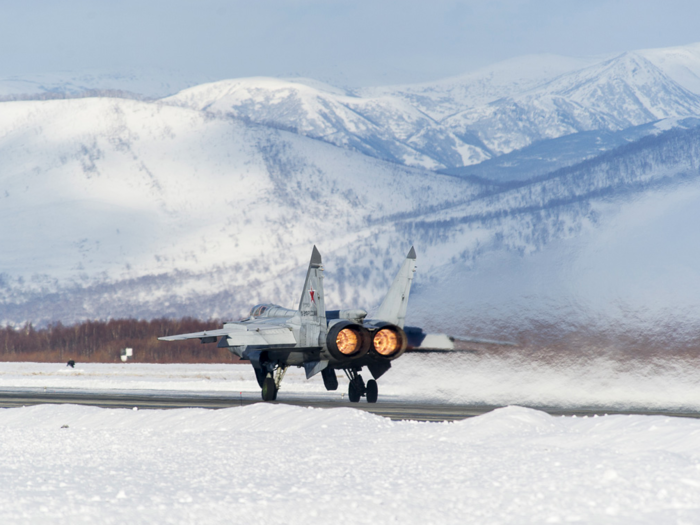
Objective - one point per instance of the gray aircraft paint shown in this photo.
(273, 337)
(394, 305)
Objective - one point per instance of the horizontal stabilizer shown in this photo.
(484, 341)
(420, 341)
(437, 341)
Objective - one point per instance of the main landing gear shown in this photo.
(358, 389)
(269, 381)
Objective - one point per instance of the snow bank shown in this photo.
(284, 464)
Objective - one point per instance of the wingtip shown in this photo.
(316, 256)
(411, 254)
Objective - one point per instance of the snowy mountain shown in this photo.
(151, 83)
(681, 63)
(444, 98)
(546, 156)
(607, 247)
(148, 209)
(144, 204)
(384, 127)
(209, 201)
(619, 93)
(451, 123)
(467, 120)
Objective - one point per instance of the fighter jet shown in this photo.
(274, 338)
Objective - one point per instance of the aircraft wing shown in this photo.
(484, 341)
(420, 341)
(242, 336)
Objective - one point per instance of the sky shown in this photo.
(346, 43)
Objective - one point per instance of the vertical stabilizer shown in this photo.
(311, 303)
(393, 307)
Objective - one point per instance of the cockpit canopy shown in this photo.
(270, 310)
(259, 309)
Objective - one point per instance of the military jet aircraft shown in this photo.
(274, 338)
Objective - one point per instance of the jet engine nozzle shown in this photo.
(388, 341)
(347, 340)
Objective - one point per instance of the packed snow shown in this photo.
(267, 463)
(283, 464)
(669, 384)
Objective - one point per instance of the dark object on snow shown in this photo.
(71, 363)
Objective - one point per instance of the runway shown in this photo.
(389, 407)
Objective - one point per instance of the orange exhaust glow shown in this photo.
(347, 341)
(385, 342)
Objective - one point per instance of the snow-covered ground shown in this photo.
(285, 464)
(482, 378)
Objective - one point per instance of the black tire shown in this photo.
(354, 393)
(269, 390)
(372, 391)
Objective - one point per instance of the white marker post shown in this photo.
(126, 354)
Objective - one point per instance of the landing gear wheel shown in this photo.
(354, 394)
(269, 389)
(356, 387)
(372, 391)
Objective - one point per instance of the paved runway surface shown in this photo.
(389, 407)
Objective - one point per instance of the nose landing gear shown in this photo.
(269, 389)
(271, 382)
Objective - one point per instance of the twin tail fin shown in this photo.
(311, 302)
(393, 307)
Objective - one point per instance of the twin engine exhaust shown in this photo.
(347, 340)
(388, 341)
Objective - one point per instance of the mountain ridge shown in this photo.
(455, 122)
(196, 279)
(401, 125)
(207, 202)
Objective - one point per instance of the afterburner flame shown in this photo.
(347, 341)
(385, 342)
